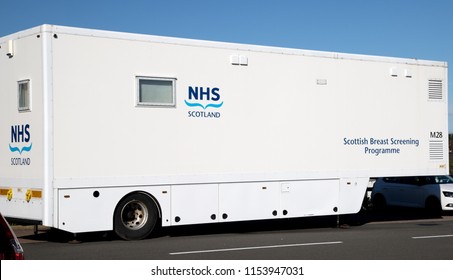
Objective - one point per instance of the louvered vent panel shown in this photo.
(436, 150)
(435, 90)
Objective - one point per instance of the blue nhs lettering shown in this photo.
(206, 98)
(200, 93)
(20, 133)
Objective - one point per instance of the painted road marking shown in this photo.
(256, 248)
(432, 236)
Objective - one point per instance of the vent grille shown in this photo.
(436, 150)
(435, 89)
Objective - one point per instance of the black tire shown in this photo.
(135, 216)
(379, 202)
(432, 205)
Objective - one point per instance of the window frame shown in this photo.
(138, 103)
(28, 96)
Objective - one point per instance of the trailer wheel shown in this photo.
(135, 216)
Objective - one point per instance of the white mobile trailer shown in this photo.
(112, 131)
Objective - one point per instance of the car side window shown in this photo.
(391, 180)
(430, 180)
(414, 181)
(419, 181)
(407, 180)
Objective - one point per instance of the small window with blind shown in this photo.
(24, 96)
(157, 92)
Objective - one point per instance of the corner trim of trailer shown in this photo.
(47, 63)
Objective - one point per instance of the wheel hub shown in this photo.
(134, 215)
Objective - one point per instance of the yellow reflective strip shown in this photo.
(4, 191)
(36, 193)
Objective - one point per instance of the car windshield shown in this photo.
(439, 179)
(420, 180)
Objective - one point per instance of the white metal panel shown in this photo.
(249, 201)
(310, 198)
(21, 208)
(299, 131)
(194, 204)
(25, 65)
(79, 210)
(21, 157)
(352, 193)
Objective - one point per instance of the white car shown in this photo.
(435, 193)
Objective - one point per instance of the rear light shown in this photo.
(18, 252)
(10, 246)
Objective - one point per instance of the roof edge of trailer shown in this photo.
(48, 28)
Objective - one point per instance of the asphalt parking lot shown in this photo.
(394, 234)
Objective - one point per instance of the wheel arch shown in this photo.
(433, 204)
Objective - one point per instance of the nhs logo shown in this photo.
(204, 98)
(20, 138)
(20, 143)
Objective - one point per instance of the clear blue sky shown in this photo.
(400, 28)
